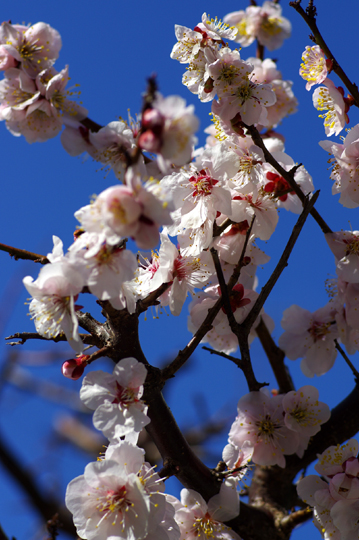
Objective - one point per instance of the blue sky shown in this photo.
(111, 47)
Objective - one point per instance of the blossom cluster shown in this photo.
(252, 90)
(334, 496)
(224, 196)
(268, 428)
(312, 336)
(121, 496)
(34, 102)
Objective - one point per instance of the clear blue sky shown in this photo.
(111, 47)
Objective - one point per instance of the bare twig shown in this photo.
(24, 336)
(183, 355)
(151, 299)
(236, 361)
(288, 176)
(23, 254)
(309, 17)
(282, 263)
(350, 364)
(276, 357)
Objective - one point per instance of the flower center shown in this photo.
(125, 396)
(205, 525)
(202, 183)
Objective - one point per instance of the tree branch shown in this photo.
(288, 176)
(276, 357)
(309, 17)
(282, 263)
(46, 506)
(23, 254)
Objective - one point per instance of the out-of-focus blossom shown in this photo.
(33, 48)
(264, 23)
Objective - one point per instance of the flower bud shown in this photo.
(74, 368)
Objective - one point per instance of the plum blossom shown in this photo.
(330, 98)
(170, 131)
(304, 414)
(200, 520)
(315, 492)
(238, 458)
(314, 69)
(109, 501)
(260, 206)
(311, 336)
(183, 273)
(199, 190)
(37, 108)
(264, 23)
(104, 267)
(260, 421)
(279, 189)
(345, 246)
(134, 210)
(345, 169)
(209, 34)
(335, 497)
(265, 71)
(33, 48)
(248, 99)
(116, 399)
(53, 305)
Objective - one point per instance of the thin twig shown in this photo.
(24, 336)
(288, 176)
(23, 254)
(282, 263)
(152, 298)
(350, 364)
(276, 357)
(236, 361)
(223, 287)
(184, 354)
(309, 17)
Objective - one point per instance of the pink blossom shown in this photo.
(345, 170)
(247, 99)
(109, 501)
(315, 67)
(303, 412)
(116, 398)
(53, 304)
(200, 520)
(345, 246)
(264, 23)
(260, 421)
(330, 98)
(311, 336)
(35, 47)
